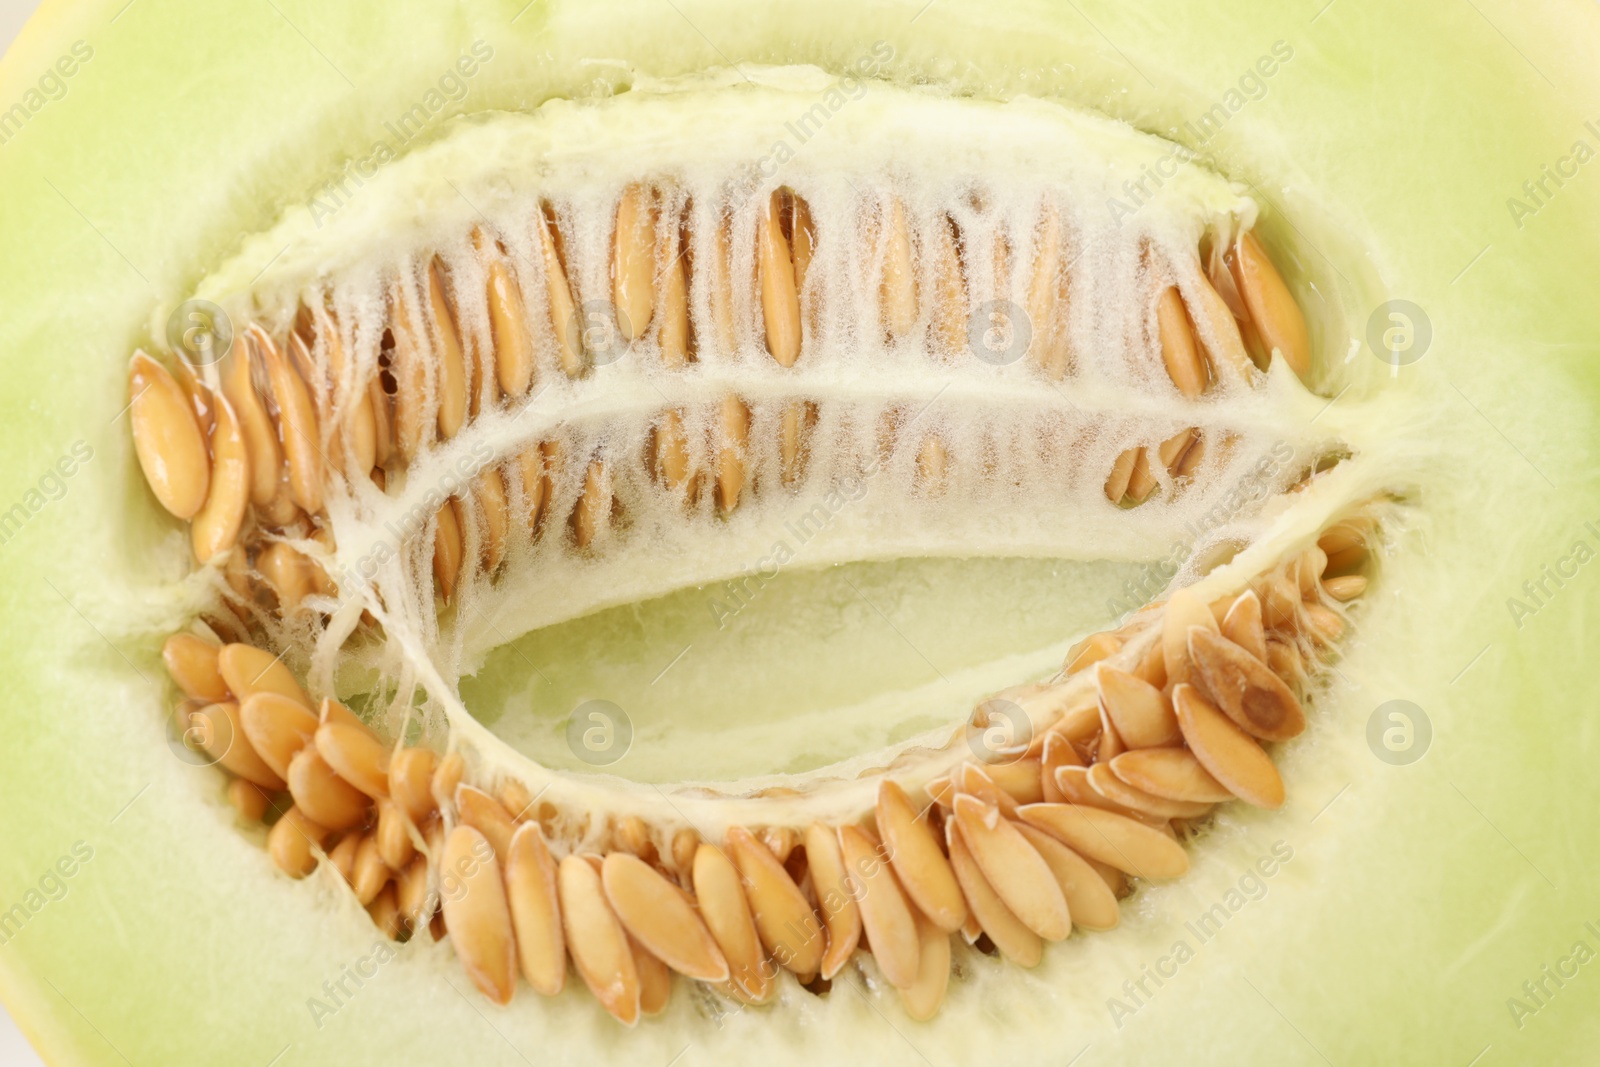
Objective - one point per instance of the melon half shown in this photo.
(798, 551)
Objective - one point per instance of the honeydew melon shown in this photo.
(1413, 911)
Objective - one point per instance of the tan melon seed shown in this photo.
(216, 526)
(829, 883)
(1017, 872)
(393, 835)
(1309, 569)
(1089, 898)
(384, 911)
(1172, 450)
(1010, 935)
(508, 324)
(1284, 659)
(972, 929)
(277, 728)
(633, 266)
(1345, 535)
(288, 572)
(933, 462)
(672, 337)
(1142, 479)
(192, 662)
(1183, 610)
(412, 894)
(597, 941)
(516, 799)
(482, 812)
(1058, 752)
(685, 843)
(447, 549)
(359, 757)
(343, 856)
(1243, 626)
(1345, 587)
(788, 927)
(1103, 781)
(780, 297)
(918, 860)
(659, 917)
(248, 670)
(720, 283)
(591, 517)
(281, 512)
(923, 998)
(1137, 709)
(446, 776)
(370, 873)
(1173, 773)
(489, 494)
(1325, 624)
(897, 285)
(534, 480)
(733, 436)
(802, 235)
(781, 841)
(1227, 752)
(447, 358)
(413, 371)
(1121, 472)
(563, 308)
(1073, 784)
(633, 836)
(221, 734)
(297, 421)
(475, 911)
(201, 402)
(1192, 458)
(727, 915)
(1109, 744)
(1273, 310)
(324, 796)
(1179, 352)
(359, 431)
(248, 799)
(1124, 843)
(1091, 650)
(1281, 605)
(655, 979)
(887, 917)
(670, 446)
(1043, 296)
(261, 440)
(333, 711)
(167, 438)
(411, 780)
(533, 897)
(1245, 688)
(1017, 778)
(947, 334)
(972, 780)
(292, 840)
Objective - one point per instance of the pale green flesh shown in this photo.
(1414, 906)
(740, 679)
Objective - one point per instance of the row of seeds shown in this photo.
(251, 447)
(1008, 853)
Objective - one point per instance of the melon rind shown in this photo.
(1416, 903)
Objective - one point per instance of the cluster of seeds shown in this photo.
(1008, 852)
(251, 447)
(662, 355)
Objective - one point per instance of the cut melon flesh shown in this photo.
(1383, 912)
